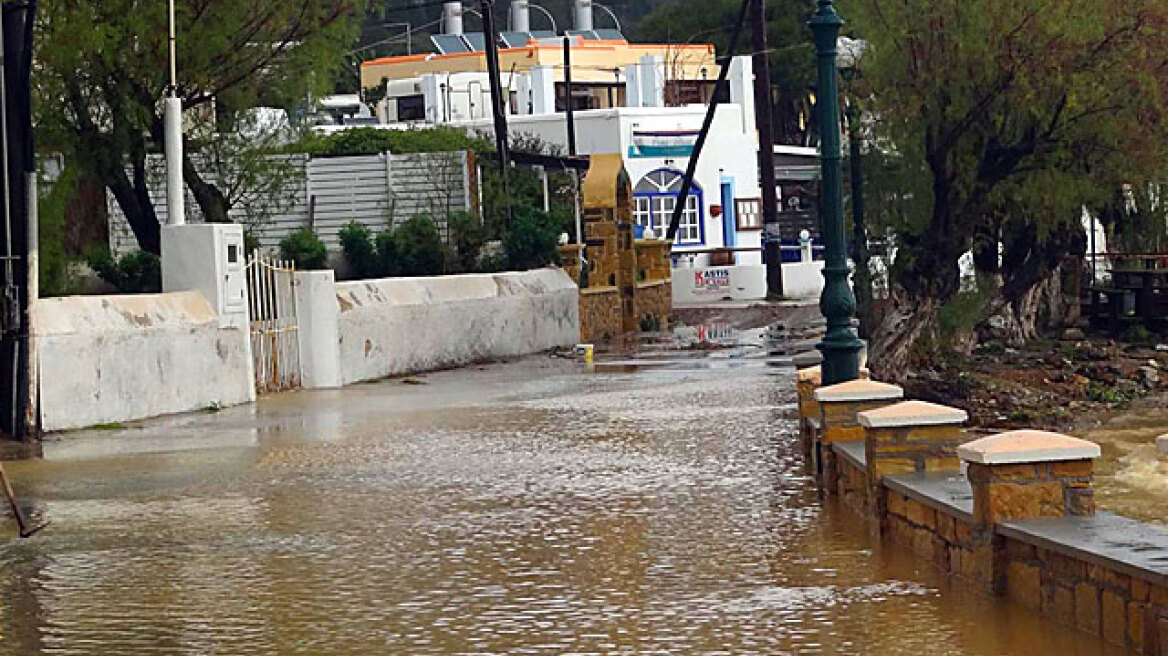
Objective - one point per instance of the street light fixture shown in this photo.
(840, 346)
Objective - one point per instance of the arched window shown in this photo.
(654, 199)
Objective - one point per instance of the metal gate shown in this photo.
(275, 342)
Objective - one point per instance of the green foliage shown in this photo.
(56, 278)
(467, 238)
(386, 254)
(1102, 393)
(371, 141)
(360, 252)
(305, 248)
(1138, 334)
(138, 272)
(1002, 120)
(531, 241)
(99, 87)
(961, 313)
(418, 248)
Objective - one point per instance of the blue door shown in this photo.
(729, 220)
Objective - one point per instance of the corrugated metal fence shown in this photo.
(326, 193)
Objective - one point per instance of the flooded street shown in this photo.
(522, 508)
(1132, 476)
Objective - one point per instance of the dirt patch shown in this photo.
(1064, 385)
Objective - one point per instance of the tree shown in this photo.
(102, 77)
(1007, 118)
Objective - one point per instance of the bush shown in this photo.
(134, 273)
(467, 237)
(306, 249)
(360, 252)
(531, 240)
(418, 248)
(386, 254)
(371, 141)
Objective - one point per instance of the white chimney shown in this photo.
(583, 15)
(452, 18)
(520, 16)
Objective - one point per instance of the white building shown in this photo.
(646, 102)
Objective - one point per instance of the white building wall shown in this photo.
(107, 359)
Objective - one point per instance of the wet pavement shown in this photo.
(522, 508)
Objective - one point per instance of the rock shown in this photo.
(1162, 444)
(1073, 334)
(1153, 364)
(1150, 376)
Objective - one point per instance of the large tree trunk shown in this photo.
(134, 200)
(907, 322)
(210, 199)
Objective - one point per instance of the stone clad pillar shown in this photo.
(912, 437)
(839, 407)
(806, 382)
(1028, 474)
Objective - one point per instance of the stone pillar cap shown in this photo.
(815, 374)
(1027, 446)
(858, 390)
(912, 413)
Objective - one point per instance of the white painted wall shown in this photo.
(319, 333)
(108, 359)
(801, 281)
(367, 330)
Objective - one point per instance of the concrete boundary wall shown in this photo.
(107, 359)
(358, 331)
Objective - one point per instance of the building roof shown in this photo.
(593, 61)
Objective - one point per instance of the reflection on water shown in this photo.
(527, 509)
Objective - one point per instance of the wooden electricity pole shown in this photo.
(764, 114)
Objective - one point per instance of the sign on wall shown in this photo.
(712, 282)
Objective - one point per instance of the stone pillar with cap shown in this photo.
(1028, 474)
(808, 380)
(839, 407)
(911, 437)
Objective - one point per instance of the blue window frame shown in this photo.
(654, 199)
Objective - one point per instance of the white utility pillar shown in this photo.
(543, 90)
(742, 91)
(652, 81)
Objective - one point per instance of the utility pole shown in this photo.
(498, 108)
(840, 346)
(764, 114)
(568, 92)
(863, 277)
(175, 190)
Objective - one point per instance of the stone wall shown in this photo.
(1020, 525)
(112, 359)
(600, 313)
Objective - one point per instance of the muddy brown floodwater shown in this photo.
(523, 508)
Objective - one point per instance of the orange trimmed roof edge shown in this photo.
(532, 47)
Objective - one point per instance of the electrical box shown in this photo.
(208, 258)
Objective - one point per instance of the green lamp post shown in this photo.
(840, 346)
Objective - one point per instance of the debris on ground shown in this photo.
(1065, 384)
